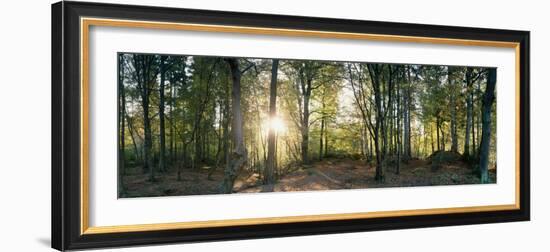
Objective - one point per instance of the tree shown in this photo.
(306, 72)
(469, 111)
(176, 76)
(146, 72)
(488, 99)
(470, 77)
(372, 112)
(452, 103)
(270, 167)
(162, 148)
(386, 108)
(326, 94)
(362, 93)
(180, 112)
(407, 115)
(121, 116)
(239, 155)
(398, 127)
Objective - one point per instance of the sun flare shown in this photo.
(276, 124)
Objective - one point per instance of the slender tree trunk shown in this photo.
(442, 137)
(370, 147)
(488, 100)
(398, 127)
(362, 139)
(239, 155)
(162, 147)
(407, 118)
(390, 129)
(171, 121)
(137, 154)
(326, 139)
(226, 120)
(425, 148)
(206, 143)
(454, 136)
(474, 146)
(384, 135)
(219, 133)
(437, 126)
(386, 124)
(148, 141)
(144, 64)
(469, 111)
(321, 139)
(323, 122)
(478, 123)
(379, 173)
(378, 131)
(271, 140)
(121, 110)
(305, 130)
(432, 141)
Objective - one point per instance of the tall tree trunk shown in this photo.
(488, 99)
(206, 143)
(432, 140)
(407, 118)
(322, 132)
(384, 135)
(326, 139)
(371, 154)
(469, 111)
(144, 63)
(390, 127)
(121, 110)
(479, 119)
(171, 121)
(474, 146)
(362, 139)
(305, 130)
(239, 155)
(454, 136)
(437, 126)
(226, 119)
(271, 138)
(425, 149)
(386, 124)
(442, 137)
(323, 122)
(379, 129)
(379, 172)
(162, 147)
(398, 129)
(148, 141)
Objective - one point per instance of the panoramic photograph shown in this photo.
(198, 125)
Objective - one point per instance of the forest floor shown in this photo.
(328, 174)
(334, 174)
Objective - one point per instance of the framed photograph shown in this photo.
(182, 125)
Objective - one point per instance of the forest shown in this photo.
(191, 125)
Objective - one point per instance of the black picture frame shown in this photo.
(66, 156)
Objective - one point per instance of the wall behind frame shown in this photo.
(25, 127)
